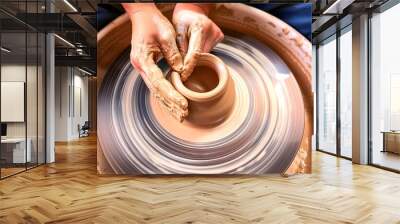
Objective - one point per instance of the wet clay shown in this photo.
(202, 79)
(260, 135)
(211, 94)
(209, 90)
(214, 92)
(209, 113)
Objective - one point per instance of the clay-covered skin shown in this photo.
(196, 33)
(153, 35)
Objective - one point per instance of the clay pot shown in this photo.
(209, 89)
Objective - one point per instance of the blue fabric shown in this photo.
(105, 14)
(298, 15)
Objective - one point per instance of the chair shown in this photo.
(84, 130)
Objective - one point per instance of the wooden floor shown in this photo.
(387, 159)
(5, 172)
(70, 191)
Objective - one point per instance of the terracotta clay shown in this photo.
(294, 49)
(212, 116)
(209, 89)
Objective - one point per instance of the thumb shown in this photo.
(182, 38)
(196, 43)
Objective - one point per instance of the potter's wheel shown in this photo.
(262, 134)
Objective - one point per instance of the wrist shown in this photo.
(201, 8)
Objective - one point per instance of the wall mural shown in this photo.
(204, 89)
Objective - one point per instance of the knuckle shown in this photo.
(175, 56)
(221, 35)
(167, 36)
(184, 103)
(218, 31)
(135, 61)
(135, 54)
(157, 84)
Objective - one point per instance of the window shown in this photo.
(327, 96)
(346, 92)
(385, 89)
(22, 77)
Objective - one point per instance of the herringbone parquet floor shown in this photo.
(70, 191)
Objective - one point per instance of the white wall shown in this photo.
(62, 81)
(71, 94)
(13, 101)
(80, 110)
(12, 73)
(16, 73)
(33, 127)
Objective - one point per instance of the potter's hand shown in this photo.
(153, 35)
(196, 33)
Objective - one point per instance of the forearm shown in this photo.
(202, 8)
(132, 8)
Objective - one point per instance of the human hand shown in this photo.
(196, 33)
(153, 35)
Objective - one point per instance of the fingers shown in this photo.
(195, 46)
(175, 103)
(170, 50)
(204, 35)
(168, 97)
(217, 37)
(142, 58)
(181, 38)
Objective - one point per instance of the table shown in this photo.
(13, 150)
(391, 141)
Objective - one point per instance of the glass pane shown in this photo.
(13, 86)
(346, 94)
(41, 98)
(32, 87)
(22, 88)
(385, 84)
(31, 98)
(327, 97)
